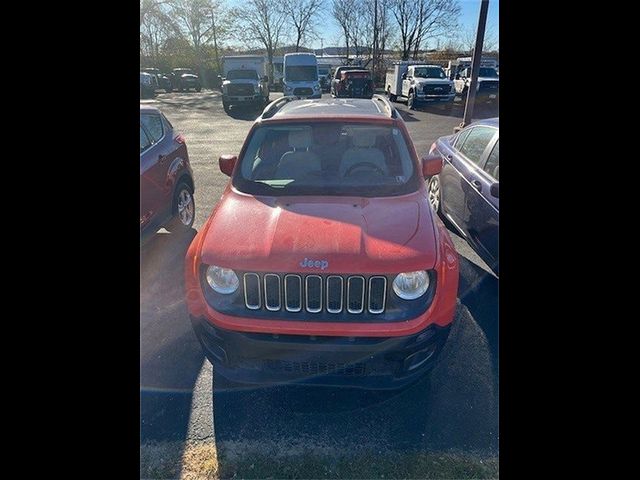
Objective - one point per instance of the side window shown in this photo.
(153, 125)
(167, 121)
(461, 138)
(493, 162)
(473, 146)
(144, 140)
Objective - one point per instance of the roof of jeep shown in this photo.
(332, 107)
(148, 109)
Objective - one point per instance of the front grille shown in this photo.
(240, 89)
(489, 86)
(315, 293)
(316, 368)
(443, 89)
(302, 91)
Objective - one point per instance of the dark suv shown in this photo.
(323, 261)
(184, 79)
(164, 81)
(166, 178)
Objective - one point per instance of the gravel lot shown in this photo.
(457, 408)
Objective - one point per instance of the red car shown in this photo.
(323, 262)
(166, 178)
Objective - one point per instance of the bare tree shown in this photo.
(156, 28)
(345, 14)
(200, 22)
(303, 15)
(421, 19)
(262, 21)
(466, 39)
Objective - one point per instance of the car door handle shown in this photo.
(477, 185)
(449, 157)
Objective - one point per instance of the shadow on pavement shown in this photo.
(408, 116)
(451, 408)
(170, 356)
(479, 291)
(244, 113)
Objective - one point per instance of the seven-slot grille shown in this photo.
(436, 89)
(315, 293)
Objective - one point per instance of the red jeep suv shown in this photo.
(323, 262)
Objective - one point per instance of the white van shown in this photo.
(300, 77)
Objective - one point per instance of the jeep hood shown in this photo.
(352, 234)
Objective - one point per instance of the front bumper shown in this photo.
(232, 100)
(362, 362)
(436, 98)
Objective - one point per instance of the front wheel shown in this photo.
(411, 101)
(433, 188)
(392, 97)
(184, 209)
(198, 89)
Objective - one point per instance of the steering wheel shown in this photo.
(370, 165)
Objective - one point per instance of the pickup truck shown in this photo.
(487, 89)
(420, 84)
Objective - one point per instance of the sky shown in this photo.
(470, 9)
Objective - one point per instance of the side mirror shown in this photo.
(404, 76)
(495, 189)
(265, 78)
(431, 164)
(227, 164)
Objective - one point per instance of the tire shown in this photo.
(411, 101)
(434, 194)
(198, 89)
(168, 90)
(183, 209)
(392, 97)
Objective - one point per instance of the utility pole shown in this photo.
(375, 42)
(475, 66)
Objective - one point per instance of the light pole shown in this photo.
(475, 67)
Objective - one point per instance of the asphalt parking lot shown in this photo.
(456, 408)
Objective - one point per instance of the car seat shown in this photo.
(363, 150)
(300, 161)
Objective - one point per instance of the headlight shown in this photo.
(222, 280)
(411, 285)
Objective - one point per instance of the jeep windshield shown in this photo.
(322, 158)
(242, 75)
(301, 73)
(487, 72)
(429, 72)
